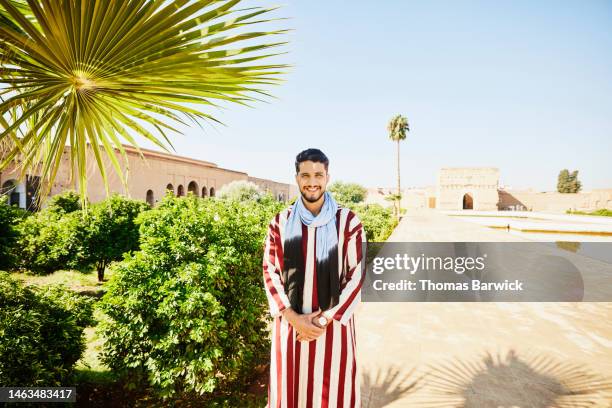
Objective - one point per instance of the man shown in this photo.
(313, 270)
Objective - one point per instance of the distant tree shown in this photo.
(398, 128)
(562, 180)
(240, 190)
(568, 182)
(348, 193)
(110, 231)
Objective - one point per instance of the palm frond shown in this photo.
(94, 74)
(398, 127)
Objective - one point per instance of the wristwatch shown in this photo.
(322, 320)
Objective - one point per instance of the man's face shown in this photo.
(312, 180)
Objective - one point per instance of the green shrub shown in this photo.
(61, 236)
(186, 312)
(48, 241)
(377, 220)
(64, 203)
(601, 212)
(108, 231)
(41, 333)
(10, 217)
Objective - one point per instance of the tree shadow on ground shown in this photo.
(386, 386)
(513, 381)
(96, 294)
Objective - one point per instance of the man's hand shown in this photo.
(302, 323)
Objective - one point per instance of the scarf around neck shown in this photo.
(326, 244)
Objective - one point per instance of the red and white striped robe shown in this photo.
(322, 372)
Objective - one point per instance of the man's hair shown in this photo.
(313, 155)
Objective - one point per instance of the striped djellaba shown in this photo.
(322, 372)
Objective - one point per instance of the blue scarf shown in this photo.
(328, 285)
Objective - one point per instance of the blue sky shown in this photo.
(519, 85)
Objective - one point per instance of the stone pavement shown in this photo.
(482, 354)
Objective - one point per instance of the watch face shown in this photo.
(322, 321)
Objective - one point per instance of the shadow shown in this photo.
(260, 380)
(509, 202)
(95, 294)
(386, 386)
(513, 381)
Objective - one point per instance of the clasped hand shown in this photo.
(306, 325)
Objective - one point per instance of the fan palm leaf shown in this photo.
(94, 74)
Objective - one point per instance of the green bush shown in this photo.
(10, 217)
(601, 212)
(49, 240)
(64, 203)
(377, 220)
(108, 231)
(61, 236)
(186, 312)
(41, 333)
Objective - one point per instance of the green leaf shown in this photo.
(97, 73)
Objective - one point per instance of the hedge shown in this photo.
(187, 312)
(41, 333)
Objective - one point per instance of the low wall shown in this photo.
(555, 202)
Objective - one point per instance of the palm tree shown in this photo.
(398, 128)
(94, 74)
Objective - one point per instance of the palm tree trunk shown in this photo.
(399, 200)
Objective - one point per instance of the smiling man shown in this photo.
(313, 270)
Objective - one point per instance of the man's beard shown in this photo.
(312, 200)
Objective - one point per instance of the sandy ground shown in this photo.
(482, 354)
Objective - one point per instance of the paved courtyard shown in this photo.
(482, 354)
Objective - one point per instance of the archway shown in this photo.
(468, 202)
(170, 187)
(150, 198)
(180, 191)
(204, 191)
(9, 188)
(212, 191)
(193, 188)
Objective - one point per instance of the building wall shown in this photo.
(155, 172)
(160, 169)
(281, 191)
(555, 202)
(480, 183)
(412, 198)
